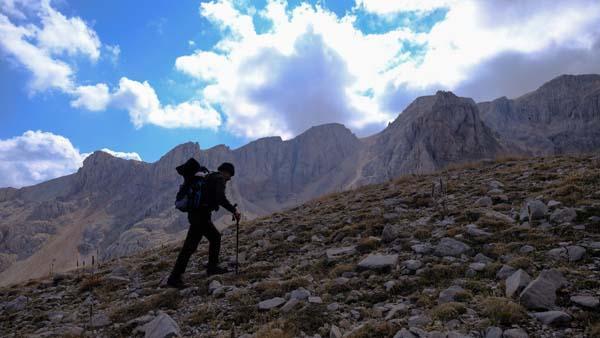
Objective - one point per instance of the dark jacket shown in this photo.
(213, 193)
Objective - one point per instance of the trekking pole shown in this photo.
(237, 242)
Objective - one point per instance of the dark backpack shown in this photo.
(189, 196)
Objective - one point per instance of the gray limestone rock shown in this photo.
(474, 231)
(525, 249)
(378, 262)
(335, 254)
(552, 317)
(449, 294)
(300, 294)
(536, 210)
(505, 271)
(271, 303)
(516, 282)
(335, 332)
(451, 247)
(413, 264)
(586, 301)
(493, 332)
(390, 232)
(404, 333)
(422, 248)
(163, 326)
(481, 258)
(575, 253)
(290, 304)
(100, 320)
(541, 292)
(16, 304)
(563, 215)
(515, 333)
(484, 201)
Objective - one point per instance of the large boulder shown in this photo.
(541, 292)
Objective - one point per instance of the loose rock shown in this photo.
(271, 303)
(378, 262)
(451, 247)
(541, 292)
(163, 326)
(552, 317)
(586, 301)
(516, 282)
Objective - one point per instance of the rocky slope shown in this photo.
(507, 248)
(113, 207)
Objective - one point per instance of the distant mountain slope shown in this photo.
(113, 207)
(562, 116)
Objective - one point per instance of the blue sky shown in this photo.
(138, 78)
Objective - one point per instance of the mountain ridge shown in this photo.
(118, 206)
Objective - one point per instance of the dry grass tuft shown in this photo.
(448, 311)
(502, 310)
(90, 283)
(375, 329)
(167, 300)
(276, 329)
(368, 244)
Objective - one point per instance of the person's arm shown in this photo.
(221, 198)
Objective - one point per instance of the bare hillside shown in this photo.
(499, 248)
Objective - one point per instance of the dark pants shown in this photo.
(200, 225)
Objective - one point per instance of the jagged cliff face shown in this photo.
(562, 116)
(113, 207)
(431, 133)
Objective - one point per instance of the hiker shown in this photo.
(212, 196)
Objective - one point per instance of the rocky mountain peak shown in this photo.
(329, 130)
(184, 150)
(98, 157)
(571, 83)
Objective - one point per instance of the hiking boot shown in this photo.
(176, 283)
(217, 270)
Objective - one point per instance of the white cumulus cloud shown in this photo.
(60, 34)
(47, 72)
(307, 66)
(124, 155)
(394, 6)
(93, 98)
(144, 107)
(37, 156)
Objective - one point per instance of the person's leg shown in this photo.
(214, 237)
(190, 245)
